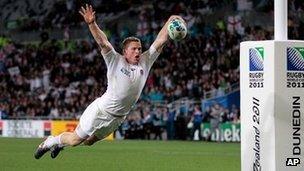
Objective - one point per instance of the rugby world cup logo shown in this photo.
(295, 59)
(256, 59)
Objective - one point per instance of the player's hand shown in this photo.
(88, 14)
(172, 17)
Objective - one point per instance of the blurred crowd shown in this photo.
(59, 78)
(39, 15)
(152, 121)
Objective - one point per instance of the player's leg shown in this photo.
(71, 139)
(89, 141)
(57, 143)
(85, 128)
(68, 139)
(108, 125)
(42, 149)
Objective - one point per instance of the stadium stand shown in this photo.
(57, 78)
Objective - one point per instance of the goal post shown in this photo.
(272, 100)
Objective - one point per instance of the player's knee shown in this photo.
(75, 141)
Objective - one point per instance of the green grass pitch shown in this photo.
(17, 154)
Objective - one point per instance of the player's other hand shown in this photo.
(87, 13)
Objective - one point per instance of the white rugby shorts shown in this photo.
(97, 122)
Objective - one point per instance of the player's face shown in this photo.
(132, 52)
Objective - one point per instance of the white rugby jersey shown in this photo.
(125, 81)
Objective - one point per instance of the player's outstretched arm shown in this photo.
(88, 15)
(162, 36)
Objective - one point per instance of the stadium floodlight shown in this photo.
(272, 100)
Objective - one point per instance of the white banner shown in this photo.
(23, 128)
(272, 93)
(289, 105)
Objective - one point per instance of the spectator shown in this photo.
(158, 124)
(170, 124)
(215, 115)
(196, 119)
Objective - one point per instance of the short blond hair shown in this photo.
(128, 40)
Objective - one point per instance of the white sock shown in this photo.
(51, 141)
(60, 144)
